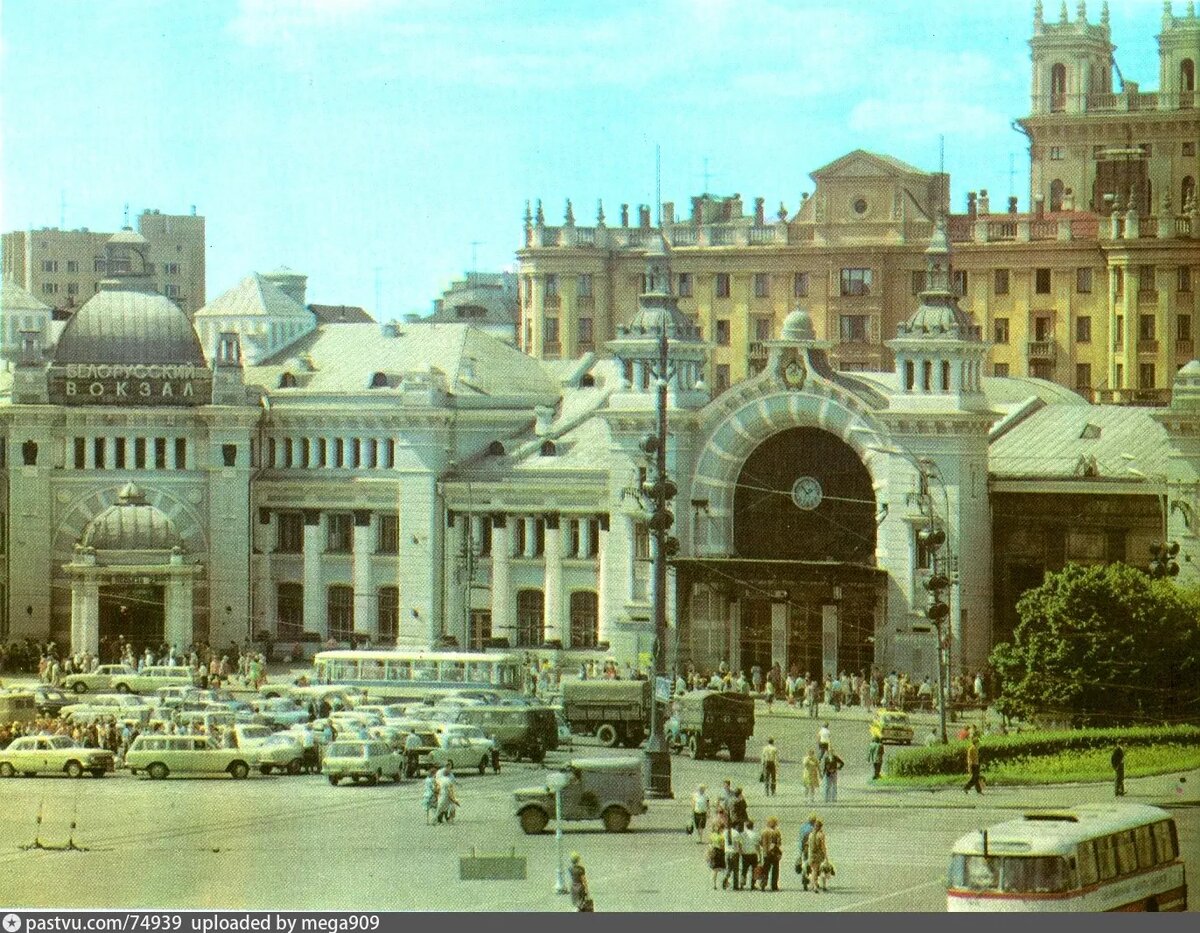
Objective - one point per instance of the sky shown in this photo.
(384, 146)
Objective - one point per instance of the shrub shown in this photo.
(996, 749)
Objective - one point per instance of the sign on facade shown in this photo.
(130, 384)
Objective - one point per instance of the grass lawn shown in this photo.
(1068, 767)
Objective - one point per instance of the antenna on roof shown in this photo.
(62, 208)
(126, 214)
(942, 170)
(1012, 174)
(658, 185)
(378, 289)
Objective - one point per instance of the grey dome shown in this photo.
(121, 326)
(129, 236)
(798, 326)
(132, 525)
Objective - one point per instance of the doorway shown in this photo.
(135, 612)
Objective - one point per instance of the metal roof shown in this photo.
(15, 298)
(129, 327)
(255, 295)
(131, 524)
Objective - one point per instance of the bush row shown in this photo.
(994, 749)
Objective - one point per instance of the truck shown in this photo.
(710, 720)
(614, 711)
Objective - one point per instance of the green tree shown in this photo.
(1100, 645)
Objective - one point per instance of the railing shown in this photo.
(721, 236)
(552, 348)
(1001, 230)
(684, 236)
(1133, 396)
(1147, 345)
(1041, 349)
(585, 236)
(1184, 348)
(760, 236)
(757, 350)
(1043, 230)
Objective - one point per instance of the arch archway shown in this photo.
(1056, 195)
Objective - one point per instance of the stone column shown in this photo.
(552, 606)
(110, 453)
(1132, 322)
(314, 593)
(501, 586)
(366, 616)
(266, 533)
(89, 617)
(1111, 336)
(458, 586)
(735, 634)
(779, 635)
(178, 609)
(603, 586)
(829, 639)
(1164, 326)
(171, 464)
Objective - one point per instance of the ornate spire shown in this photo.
(1081, 11)
(1037, 14)
(1062, 12)
(569, 215)
(540, 216)
(1104, 14)
(599, 213)
(528, 216)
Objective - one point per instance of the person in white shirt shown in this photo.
(700, 808)
(733, 858)
(823, 739)
(750, 842)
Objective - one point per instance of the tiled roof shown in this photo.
(254, 295)
(340, 314)
(15, 298)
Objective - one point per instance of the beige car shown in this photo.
(53, 754)
(151, 679)
(161, 755)
(98, 681)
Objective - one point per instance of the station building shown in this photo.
(428, 484)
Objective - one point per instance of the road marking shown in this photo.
(858, 905)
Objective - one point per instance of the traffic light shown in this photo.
(938, 583)
(1162, 560)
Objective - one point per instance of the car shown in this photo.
(17, 706)
(127, 709)
(465, 750)
(99, 680)
(153, 677)
(892, 726)
(162, 755)
(361, 760)
(53, 754)
(280, 711)
(270, 751)
(49, 700)
(608, 789)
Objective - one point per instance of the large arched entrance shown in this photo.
(133, 613)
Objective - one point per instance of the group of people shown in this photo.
(741, 856)
(440, 797)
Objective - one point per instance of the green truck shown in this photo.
(710, 720)
(614, 711)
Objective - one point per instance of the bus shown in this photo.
(1093, 857)
(419, 675)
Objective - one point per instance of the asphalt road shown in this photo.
(296, 842)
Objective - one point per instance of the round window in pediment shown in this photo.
(860, 206)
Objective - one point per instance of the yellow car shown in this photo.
(892, 726)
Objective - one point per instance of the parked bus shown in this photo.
(417, 675)
(1094, 857)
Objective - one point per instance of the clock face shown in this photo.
(806, 493)
(793, 374)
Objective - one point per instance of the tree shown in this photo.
(1103, 645)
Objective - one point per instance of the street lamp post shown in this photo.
(556, 781)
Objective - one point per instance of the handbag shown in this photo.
(691, 827)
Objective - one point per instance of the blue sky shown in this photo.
(344, 136)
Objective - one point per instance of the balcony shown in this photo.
(552, 302)
(1147, 345)
(1184, 348)
(1042, 349)
(1151, 397)
(552, 349)
(683, 236)
(758, 350)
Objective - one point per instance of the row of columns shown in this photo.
(1126, 304)
(367, 453)
(172, 454)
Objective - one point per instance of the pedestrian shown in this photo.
(812, 775)
(430, 795)
(733, 858)
(973, 766)
(772, 853)
(823, 738)
(830, 768)
(751, 839)
(412, 754)
(812, 696)
(875, 756)
(581, 897)
(447, 799)
(1118, 764)
(802, 865)
(727, 795)
(716, 853)
(700, 807)
(740, 812)
(494, 752)
(818, 858)
(770, 766)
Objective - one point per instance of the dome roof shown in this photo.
(120, 326)
(798, 326)
(132, 525)
(128, 235)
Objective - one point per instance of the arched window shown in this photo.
(1187, 191)
(1056, 195)
(495, 449)
(1058, 87)
(531, 622)
(548, 449)
(379, 381)
(287, 381)
(585, 619)
(587, 381)
(1187, 75)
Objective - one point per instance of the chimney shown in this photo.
(984, 205)
(1039, 207)
(668, 209)
(697, 217)
(972, 207)
(1012, 204)
(644, 216)
(624, 215)
(760, 215)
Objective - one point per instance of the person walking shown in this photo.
(818, 858)
(716, 853)
(973, 766)
(740, 812)
(751, 840)
(1118, 765)
(412, 754)
(700, 808)
(429, 796)
(772, 853)
(802, 864)
(581, 896)
(812, 775)
(812, 696)
(823, 739)
(447, 798)
(875, 756)
(733, 858)
(830, 767)
(770, 766)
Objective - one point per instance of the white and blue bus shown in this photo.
(420, 675)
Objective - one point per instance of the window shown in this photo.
(722, 377)
(171, 291)
(1166, 843)
(1000, 330)
(1056, 195)
(181, 453)
(762, 285)
(685, 287)
(72, 265)
(762, 328)
(479, 629)
(583, 285)
(139, 453)
(340, 612)
(289, 610)
(49, 288)
(530, 618)
(100, 265)
(1000, 280)
(800, 285)
(585, 615)
(49, 265)
(551, 285)
(1083, 329)
(72, 288)
(339, 534)
(1146, 280)
(1083, 375)
(1058, 87)
(1184, 327)
(1119, 376)
(1083, 280)
(856, 281)
(289, 532)
(1145, 375)
(387, 534)
(389, 613)
(1146, 327)
(1056, 154)
(1043, 328)
(918, 281)
(1000, 370)
(853, 328)
(723, 333)
(1042, 281)
(527, 291)
(722, 285)
(959, 283)
(1106, 857)
(1085, 858)
(1119, 336)
(551, 331)
(1184, 283)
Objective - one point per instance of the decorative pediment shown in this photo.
(863, 164)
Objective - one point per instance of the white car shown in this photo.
(269, 751)
(53, 754)
(150, 679)
(361, 760)
(121, 707)
(465, 751)
(161, 755)
(280, 710)
(98, 680)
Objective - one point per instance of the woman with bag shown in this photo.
(581, 897)
(772, 849)
(716, 853)
(831, 766)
